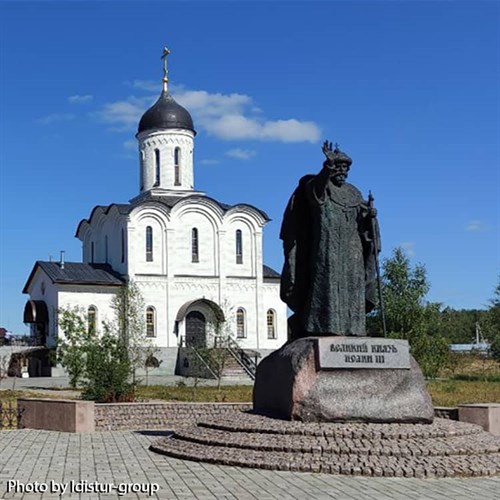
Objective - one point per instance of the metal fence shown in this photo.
(9, 415)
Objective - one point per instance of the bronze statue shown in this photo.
(331, 240)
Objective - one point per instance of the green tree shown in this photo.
(493, 323)
(404, 290)
(72, 346)
(105, 364)
(99, 364)
(130, 326)
(408, 315)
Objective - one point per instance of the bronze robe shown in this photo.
(329, 276)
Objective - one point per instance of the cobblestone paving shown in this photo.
(443, 449)
(122, 457)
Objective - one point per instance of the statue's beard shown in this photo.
(339, 179)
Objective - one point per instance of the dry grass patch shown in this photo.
(455, 392)
(208, 394)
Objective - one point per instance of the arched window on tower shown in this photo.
(149, 244)
(150, 322)
(271, 324)
(239, 247)
(195, 256)
(177, 167)
(123, 245)
(141, 173)
(157, 167)
(241, 331)
(92, 319)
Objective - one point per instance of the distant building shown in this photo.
(194, 258)
(481, 347)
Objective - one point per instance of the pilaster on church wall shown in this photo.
(222, 264)
(169, 311)
(131, 250)
(259, 295)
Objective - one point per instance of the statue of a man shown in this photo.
(330, 236)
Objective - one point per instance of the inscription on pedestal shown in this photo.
(350, 352)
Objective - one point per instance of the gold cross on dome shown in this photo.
(166, 52)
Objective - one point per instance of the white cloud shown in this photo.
(241, 154)
(149, 85)
(226, 116)
(80, 99)
(409, 248)
(55, 117)
(208, 161)
(125, 114)
(475, 225)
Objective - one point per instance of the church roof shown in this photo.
(169, 201)
(269, 272)
(77, 273)
(164, 114)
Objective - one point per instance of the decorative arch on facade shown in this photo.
(209, 210)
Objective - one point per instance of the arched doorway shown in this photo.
(37, 316)
(196, 329)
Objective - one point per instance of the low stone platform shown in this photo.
(443, 449)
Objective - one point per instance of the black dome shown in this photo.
(166, 113)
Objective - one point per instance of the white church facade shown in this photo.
(194, 259)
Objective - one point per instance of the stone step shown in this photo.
(366, 465)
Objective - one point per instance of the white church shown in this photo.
(193, 258)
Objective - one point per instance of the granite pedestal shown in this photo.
(376, 380)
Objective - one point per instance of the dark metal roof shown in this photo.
(77, 273)
(166, 113)
(269, 272)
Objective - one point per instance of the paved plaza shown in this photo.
(122, 460)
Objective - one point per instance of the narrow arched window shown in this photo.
(123, 245)
(141, 173)
(177, 167)
(106, 251)
(241, 331)
(157, 167)
(92, 319)
(150, 322)
(92, 252)
(239, 247)
(271, 324)
(149, 244)
(195, 256)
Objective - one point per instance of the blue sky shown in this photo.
(410, 90)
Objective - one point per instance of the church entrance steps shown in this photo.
(444, 448)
